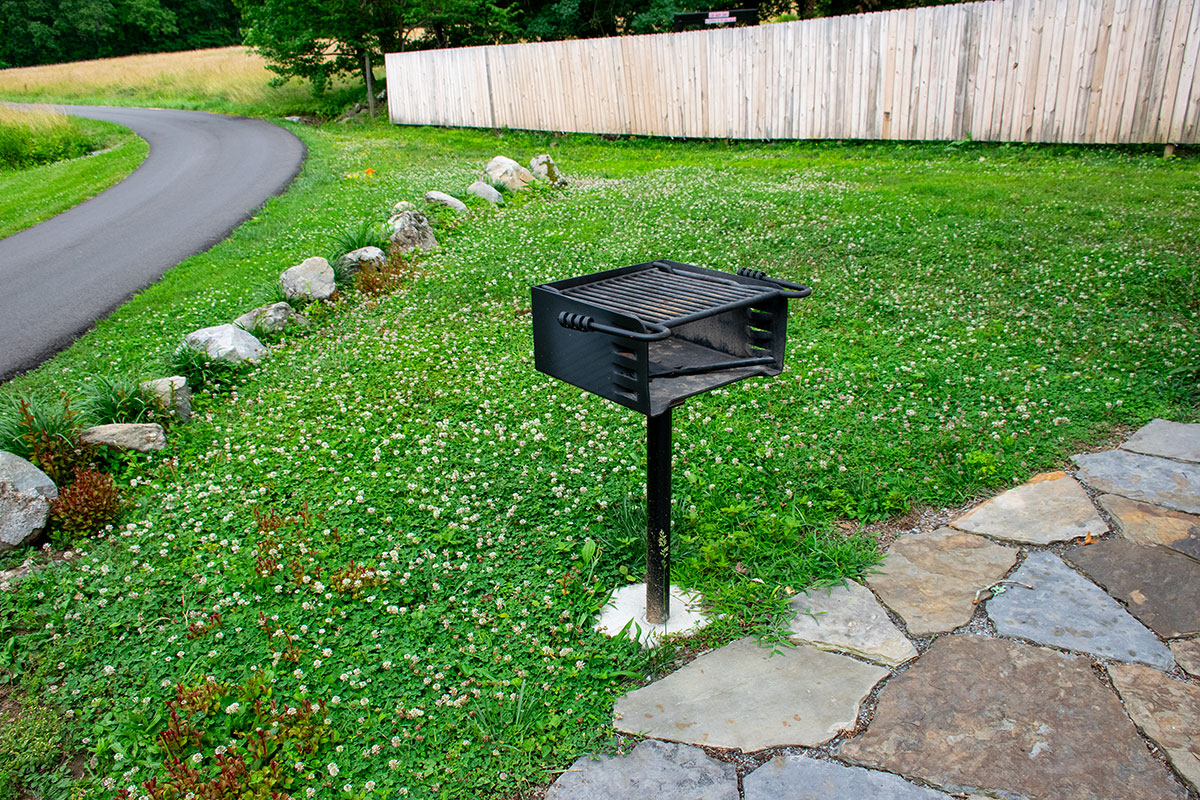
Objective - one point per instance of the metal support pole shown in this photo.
(658, 517)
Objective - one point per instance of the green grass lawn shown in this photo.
(29, 196)
(389, 519)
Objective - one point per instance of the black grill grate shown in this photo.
(668, 296)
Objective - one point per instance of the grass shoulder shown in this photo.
(32, 195)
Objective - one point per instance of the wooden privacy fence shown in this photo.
(1000, 70)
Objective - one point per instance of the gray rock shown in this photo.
(652, 771)
(401, 206)
(1167, 439)
(25, 495)
(1052, 507)
(804, 778)
(485, 191)
(751, 697)
(443, 199)
(1167, 711)
(848, 619)
(271, 318)
(142, 437)
(226, 343)
(1144, 523)
(311, 279)
(543, 168)
(508, 172)
(930, 579)
(1007, 719)
(1157, 585)
(369, 258)
(1066, 610)
(172, 395)
(411, 231)
(1171, 484)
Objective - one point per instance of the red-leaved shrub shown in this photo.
(88, 504)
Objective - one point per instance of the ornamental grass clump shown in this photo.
(116, 399)
(89, 503)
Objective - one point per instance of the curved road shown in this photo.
(205, 174)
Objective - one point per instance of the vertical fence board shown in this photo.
(1017, 70)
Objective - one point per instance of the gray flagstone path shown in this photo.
(1064, 662)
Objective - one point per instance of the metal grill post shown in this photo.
(658, 517)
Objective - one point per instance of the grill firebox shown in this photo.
(650, 336)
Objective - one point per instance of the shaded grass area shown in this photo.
(397, 517)
(230, 80)
(29, 196)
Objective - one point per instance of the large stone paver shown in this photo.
(930, 579)
(1167, 439)
(1067, 610)
(848, 619)
(804, 778)
(1167, 711)
(1160, 587)
(1143, 523)
(743, 696)
(1187, 655)
(996, 716)
(1052, 507)
(1172, 484)
(653, 770)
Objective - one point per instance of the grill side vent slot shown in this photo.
(759, 329)
(625, 373)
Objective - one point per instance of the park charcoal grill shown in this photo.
(650, 336)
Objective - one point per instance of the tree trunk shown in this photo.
(369, 74)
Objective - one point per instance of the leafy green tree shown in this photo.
(52, 31)
(317, 40)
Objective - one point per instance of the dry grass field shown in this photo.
(229, 79)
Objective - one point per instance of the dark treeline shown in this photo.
(55, 31)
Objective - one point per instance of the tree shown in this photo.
(317, 40)
(51, 31)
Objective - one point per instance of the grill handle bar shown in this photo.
(797, 290)
(582, 322)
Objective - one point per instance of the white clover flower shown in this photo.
(233, 708)
(333, 769)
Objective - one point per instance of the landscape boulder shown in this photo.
(504, 170)
(543, 168)
(142, 437)
(25, 495)
(311, 279)
(411, 231)
(486, 191)
(443, 199)
(368, 258)
(401, 206)
(271, 318)
(226, 343)
(171, 395)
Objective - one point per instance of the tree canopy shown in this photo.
(53, 31)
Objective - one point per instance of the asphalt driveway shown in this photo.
(205, 174)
